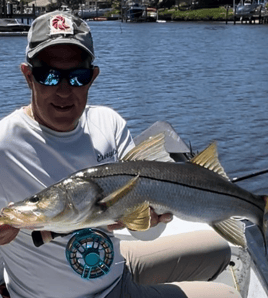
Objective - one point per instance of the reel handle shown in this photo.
(42, 237)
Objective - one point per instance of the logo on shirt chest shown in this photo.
(107, 155)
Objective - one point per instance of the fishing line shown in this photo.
(255, 174)
(118, 263)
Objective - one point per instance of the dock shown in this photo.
(249, 12)
(6, 11)
(24, 33)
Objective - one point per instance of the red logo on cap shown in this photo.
(59, 23)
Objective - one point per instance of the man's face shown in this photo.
(59, 107)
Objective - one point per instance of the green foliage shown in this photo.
(74, 4)
(116, 5)
(53, 6)
(113, 12)
(214, 14)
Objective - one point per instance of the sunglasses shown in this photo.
(52, 77)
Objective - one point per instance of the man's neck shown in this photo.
(29, 111)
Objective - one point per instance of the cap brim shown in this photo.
(65, 41)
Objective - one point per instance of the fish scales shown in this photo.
(187, 174)
(198, 190)
(173, 187)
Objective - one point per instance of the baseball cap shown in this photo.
(56, 28)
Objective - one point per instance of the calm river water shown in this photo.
(209, 80)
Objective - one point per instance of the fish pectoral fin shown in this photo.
(139, 219)
(208, 158)
(115, 196)
(152, 149)
(232, 230)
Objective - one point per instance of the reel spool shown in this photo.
(90, 253)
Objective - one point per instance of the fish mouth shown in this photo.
(7, 212)
(19, 219)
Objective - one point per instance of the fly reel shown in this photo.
(90, 253)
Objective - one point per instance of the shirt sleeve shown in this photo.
(1, 269)
(3, 198)
(123, 138)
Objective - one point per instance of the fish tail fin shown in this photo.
(232, 230)
(262, 221)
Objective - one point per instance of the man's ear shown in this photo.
(96, 72)
(27, 72)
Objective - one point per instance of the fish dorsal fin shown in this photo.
(208, 158)
(139, 219)
(118, 194)
(232, 230)
(152, 149)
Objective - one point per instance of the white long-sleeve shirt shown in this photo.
(33, 157)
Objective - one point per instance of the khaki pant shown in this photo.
(178, 266)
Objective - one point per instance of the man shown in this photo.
(58, 134)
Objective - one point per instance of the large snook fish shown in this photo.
(198, 190)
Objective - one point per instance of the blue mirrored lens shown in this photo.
(52, 77)
(48, 77)
(80, 77)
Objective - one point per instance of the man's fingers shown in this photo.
(116, 226)
(156, 219)
(165, 218)
(7, 234)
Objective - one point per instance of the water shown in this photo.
(207, 79)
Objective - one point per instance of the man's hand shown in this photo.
(7, 234)
(155, 219)
(116, 226)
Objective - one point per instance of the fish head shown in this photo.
(60, 207)
(34, 212)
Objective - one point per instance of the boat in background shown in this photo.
(100, 19)
(151, 14)
(8, 25)
(91, 13)
(157, 19)
(135, 12)
(251, 10)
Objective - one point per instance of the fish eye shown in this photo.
(34, 199)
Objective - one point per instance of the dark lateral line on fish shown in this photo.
(178, 183)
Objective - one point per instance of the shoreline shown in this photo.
(220, 14)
